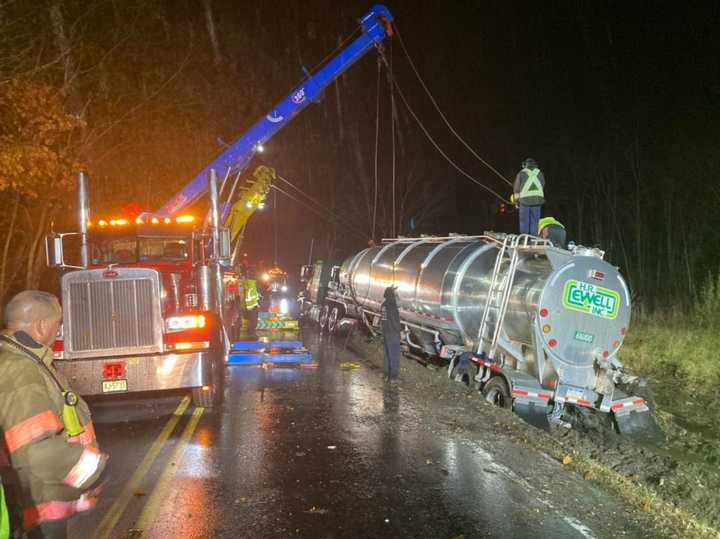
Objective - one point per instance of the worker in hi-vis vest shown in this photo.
(252, 301)
(529, 195)
(553, 230)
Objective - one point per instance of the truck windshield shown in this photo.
(129, 250)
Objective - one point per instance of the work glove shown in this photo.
(513, 199)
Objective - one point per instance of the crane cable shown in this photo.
(377, 145)
(440, 112)
(392, 135)
(434, 143)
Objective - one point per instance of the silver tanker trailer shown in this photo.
(534, 327)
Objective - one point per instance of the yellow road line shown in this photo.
(113, 515)
(160, 492)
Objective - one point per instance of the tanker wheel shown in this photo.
(323, 318)
(334, 319)
(497, 392)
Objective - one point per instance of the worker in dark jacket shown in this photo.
(391, 334)
(48, 433)
(529, 194)
(551, 229)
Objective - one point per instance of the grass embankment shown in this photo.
(679, 349)
(680, 357)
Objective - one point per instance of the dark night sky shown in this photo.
(548, 80)
(595, 91)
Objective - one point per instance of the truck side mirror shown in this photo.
(224, 250)
(55, 247)
(305, 273)
(54, 251)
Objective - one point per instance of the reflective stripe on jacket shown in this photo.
(252, 298)
(51, 469)
(529, 187)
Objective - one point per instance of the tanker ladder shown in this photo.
(500, 287)
(264, 351)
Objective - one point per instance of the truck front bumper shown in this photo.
(128, 374)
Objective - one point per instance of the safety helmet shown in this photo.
(547, 221)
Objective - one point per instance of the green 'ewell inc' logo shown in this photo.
(591, 299)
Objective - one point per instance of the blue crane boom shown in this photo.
(375, 27)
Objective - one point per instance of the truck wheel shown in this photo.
(205, 398)
(496, 392)
(323, 318)
(211, 397)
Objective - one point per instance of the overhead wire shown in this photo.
(440, 112)
(320, 206)
(313, 199)
(434, 142)
(322, 212)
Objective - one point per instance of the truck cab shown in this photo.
(142, 315)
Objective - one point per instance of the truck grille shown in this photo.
(116, 315)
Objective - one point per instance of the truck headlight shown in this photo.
(179, 323)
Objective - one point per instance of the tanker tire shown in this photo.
(333, 320)
(323, 318)
(496, 392)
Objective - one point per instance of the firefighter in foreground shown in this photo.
(49, 436)
(529, 194)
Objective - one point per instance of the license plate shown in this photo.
(111, 386)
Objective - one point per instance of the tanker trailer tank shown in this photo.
(535, 328)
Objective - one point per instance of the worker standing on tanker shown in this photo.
(551, 229)
(390, 316)
(529, 194)
(49, 436)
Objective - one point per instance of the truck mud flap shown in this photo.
(532, 411)
(639, 426)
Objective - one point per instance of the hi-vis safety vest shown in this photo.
(4, 517)
(252, 298)
(532, 186)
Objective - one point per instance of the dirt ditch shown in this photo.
(675, 486)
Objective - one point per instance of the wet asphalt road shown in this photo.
(323, 452)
